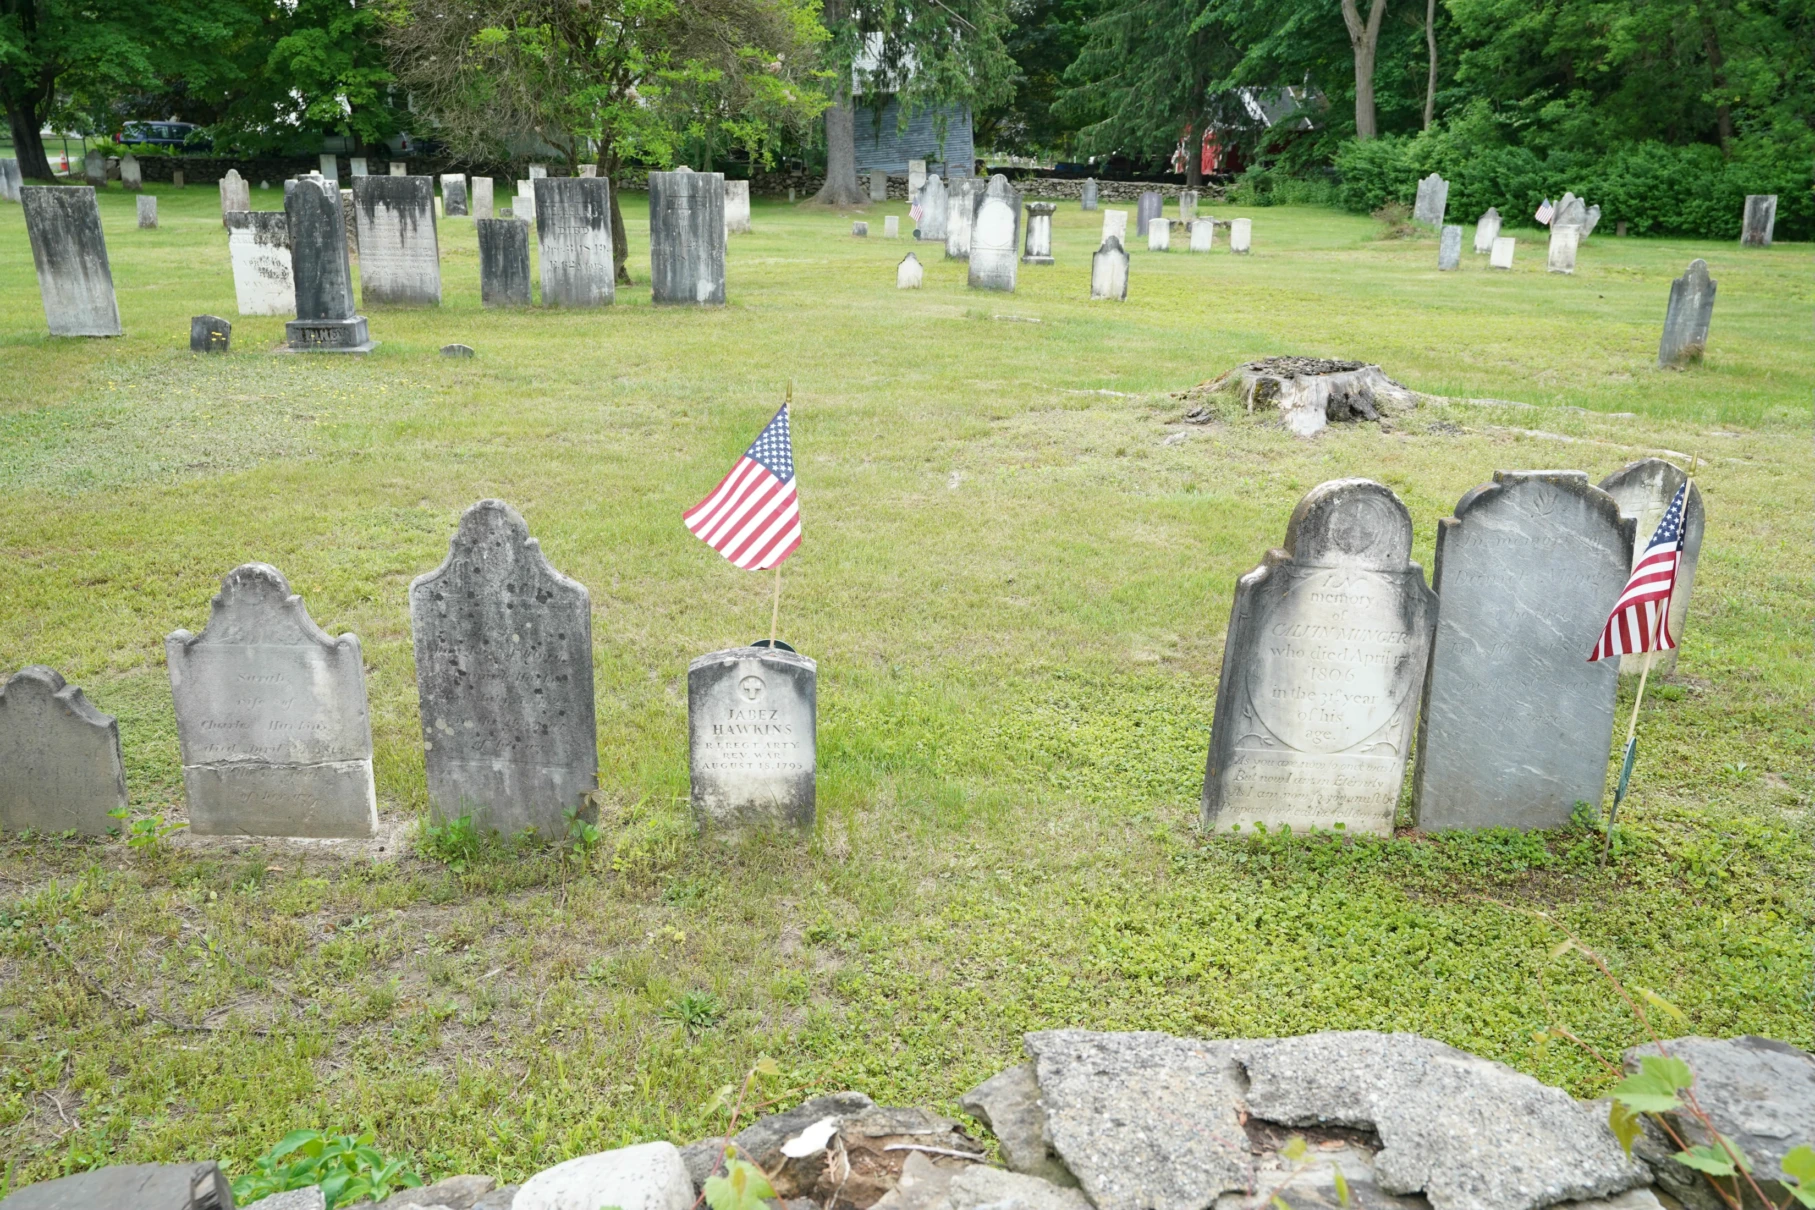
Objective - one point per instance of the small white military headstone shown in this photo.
(1760, 220)
(453, 194)
(357, 165)
(1563, 241)
(1241, 235)
(503, 262)
(70, 254)
(995, 236)
(751, 715)
(908, 274)
(1449, 248)
(1501, 256)
(1487, 230)
(258, 242)
(1643, 490)
(1109, 271)
(687, 238)
(573, 235)
(1203, 234)
(330, 168)
(1686, 319)
(399, 255)
(1037, 249)
(891, 227)
(737, 207)
(933, 204)
(960, 211)
(482, 197)
(148, 211)
(60, 767)
(1159, 234)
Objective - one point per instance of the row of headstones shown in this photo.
(275, 731)
(1570, 221)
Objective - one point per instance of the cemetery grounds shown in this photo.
(1016, 577)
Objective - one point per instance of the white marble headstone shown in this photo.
(1487, 230)
(995, 244)
(1501, 256)
(752, 722)
(1159, 234)
(1563, 241)
(1241, 235)
(1109, 271)
(1203, 234)
(909, 274)
(258, 241)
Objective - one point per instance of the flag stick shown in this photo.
(775, 613)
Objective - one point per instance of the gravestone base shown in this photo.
(328, 336)
(1310, 393)
(332, 800)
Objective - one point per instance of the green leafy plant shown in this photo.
(582, 836)
(456, 843)
(695, 1012)
(347, 1167)
(145, 835)
(744, 1186)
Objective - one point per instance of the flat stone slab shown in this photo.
(1009, 1104)
(648, 1176)
(141, 1186)
(60, 767)
(761, 1140)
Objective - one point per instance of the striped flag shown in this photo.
(1640, 620)
(753, 516)
(1545, 212)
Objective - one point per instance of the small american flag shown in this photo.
(1545, 212)
(753, 516)
(1640, 620)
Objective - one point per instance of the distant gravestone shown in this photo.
(1115, 222)
(526, 188)
(737, 207)
(70, 254)
(271, 716)
(1590, 221)
(1571, 212)
(1432, 201)
(453, 195)
(325, 320)
(148, 212)
(1501, 255)
(687, 237)
(176, 178)
(879, 186)
(357, 165)
(860, 229)
(538, 172)
(1087, 198)
(504, 676)
(1563, 241)
(908, 274)
(1109, 271)
(400, 168)
(235, 194)
(482, 198)
(457, 352)
(1517, 722)
(1241, 235)
(891, 227)
(524, 206)
(94, 169)
(60, 767)
(996, 236)
(1643, 490)
(130, 174)
(1187, 206)
(589, 170)
(932, 211)
(1203, 234)
(349, 221)
(1148, 208)
(209, 334)
(1449, 249)
(503, 262)
(1487, 230)
(399, 255)
(11, 180)
(258, 242)
(573, 235)
(1322, 669)
(960, 212)
(1038, 247)
(330, 168)
(1687, 317)
(1760, 220)
(916, 177)
(1159, 234)
(751, 715)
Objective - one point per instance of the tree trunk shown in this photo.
(1717, 64)
(1194, 158)
(841, 188)
(1364, 40)
(620, 242)
(1430, 85)
(26, 117)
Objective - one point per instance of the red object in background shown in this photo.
(1217, 158)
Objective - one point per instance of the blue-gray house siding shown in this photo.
(887, 146)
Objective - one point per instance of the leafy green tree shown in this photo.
(320, 68)
(1044, 38)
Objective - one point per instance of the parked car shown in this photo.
(174, 135)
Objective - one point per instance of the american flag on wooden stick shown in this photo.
(1640, 620)
(1545, 212)
(753, 516)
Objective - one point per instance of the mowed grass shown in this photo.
(1016, 577)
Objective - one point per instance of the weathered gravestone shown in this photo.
(995, 236)
(1449, 249)
(1643, 490)
(290, 185)
(457, 351)
(1760, 220)
(504, 262)
(148, 211)
(1501, 255)
(60, 765)
(70, 254)
(751, 714)
(891, 227)
(11, 180)
(271, 715)
(1563, 242)
(1087, 197)
(573, 234)
(400, 168)
(1325, 657)
(258, 242)
(933, 203)
(1159, 234)
(325, 320)
(176, 178)
(687, 237)
(1109, 270)
(453, 195)
(1687, 317)
(1432, 201)
(1241, 235)
(130, 174)
(1038, 248)
(961, 209)
(879, 186)
(909, 274)
(1203, 234)
(524, 206)
(1590, 221)
(1487, 230)
(860, 229)
(200, 1186)
(94, 169)
(737, 207)
(399, 255)
(538, 172)
(1187, 205)
(482, 198)
(235, 194)
(349, 221)
(209, 334)
(1517, 722)
(1570, 212)
(357, 165)
(504, 673)
(330, 168)
(526, 188)
(916, 178)
(1115, 222)
(1146, 209)
(589, 170)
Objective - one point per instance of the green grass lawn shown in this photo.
(1016, 590)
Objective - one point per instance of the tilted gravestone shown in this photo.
(1643, 490)
(94, 169)
(751, 715)
(879, 186)
(1187, 206)
(1760, 220)
(1563, 243)
(961, 210)
(933, 203)
(1687, 317)
(573, 234)
(399, 255)
(70, 254)
(1241, 235)
(209, 334)
(737, 207)
(1159, 234)
(1572, 211)
(1038, 248)
(504, 675)
(1115, 222)
(891, 226)
(130, 175)
(996, 236)
(1517, 722)
(325, 320)
(148, 211)
(1203, 234)
(687, 237)
(1148, 208)
(11, 180)
(1487, 230)
(1501, 255)
(908, 274)
(1109, 271)
(60, 765)
(236, 194)
(1449, 249)
(1087, 197)
(1432, 201)
(1325, 657)
(271, 716)
(453, 194)
(258, 243)
(482, 198)
(503, 262)
(1590, 220)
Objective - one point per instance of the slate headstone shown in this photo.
(400, 168)
(1148, 208)
(1517, 723)
(1203, 234)
(1115, 222)
(1643, 490)
(1501, 255)
(1038, 249)
(504, 676)
(458, 352)
(1432, 201)
(1187, 206)
(879, 186)
(891, 227)
(1449, 248)
(1241, 235)
(933, 202)
(961, 210)
(148, 211)
(271, 716)
(1109, 270)
(1487, 230)
(60, 765)
(503, 262)
(330, 168)
(1590, 221)
(1687, 317)
(130, 174)
(995, 236)
(573, 235)
(860, 229)
(1159, 234)
(751, 717)
(482, 198)
(235, 194)
(11, 180)
(687, 237)
(258, 242)
(399, 254)
(1325, 656)
(453, 195)
(908, 274)
(209, 334)
(357, 165)
(1760, 220)
(1087, 198)
(325, 320)
(94, 169)
(1563, 243)
(916, 177)
(70, 253)
(737, 207)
